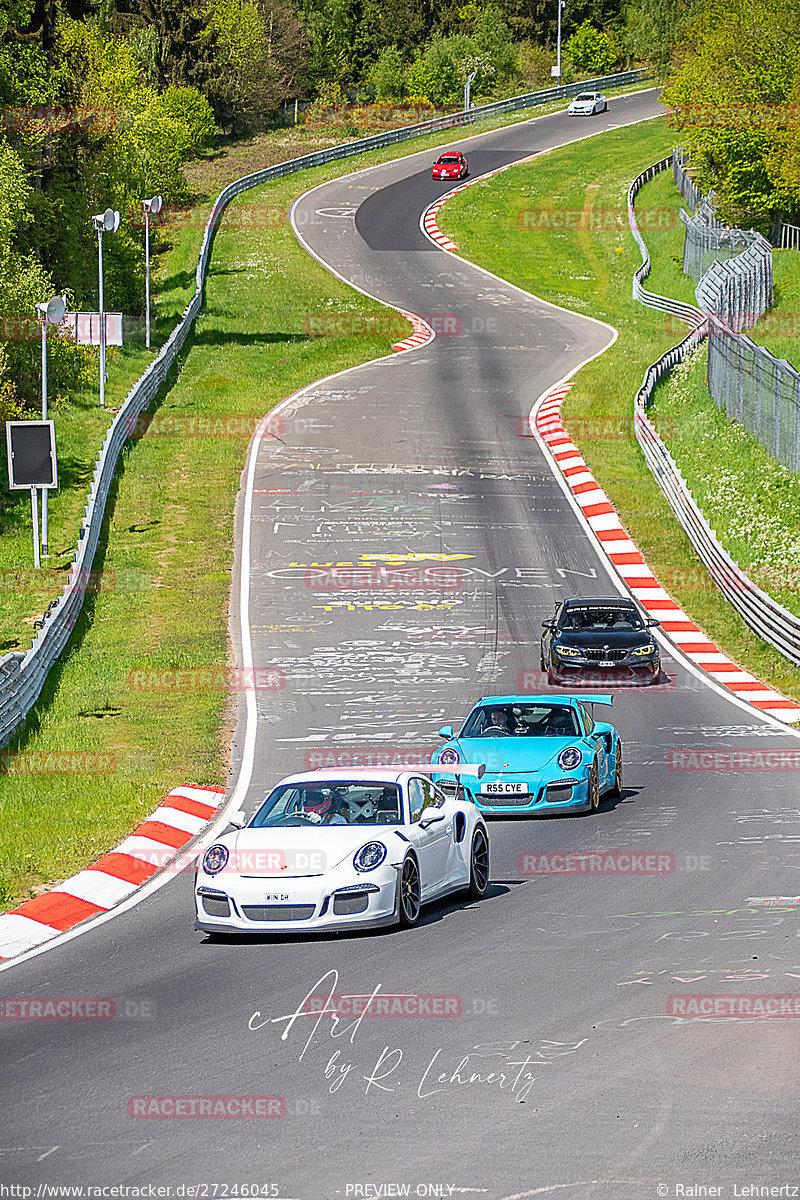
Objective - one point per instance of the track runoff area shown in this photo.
(579, 1032)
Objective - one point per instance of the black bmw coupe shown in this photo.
(601, 638)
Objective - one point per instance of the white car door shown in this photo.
(431, 835)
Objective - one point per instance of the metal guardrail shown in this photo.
(685, 312)
(764, 615)
(22, 676)
(790, 236)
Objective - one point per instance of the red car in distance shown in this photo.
(450, 166)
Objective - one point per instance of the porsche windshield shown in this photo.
(316, 803)
(521, 720)
(601, 620)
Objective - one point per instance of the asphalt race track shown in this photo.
(563, 1072)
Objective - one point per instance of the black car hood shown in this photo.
(614, 639)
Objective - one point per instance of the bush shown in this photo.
(388, 75)
(592, 51)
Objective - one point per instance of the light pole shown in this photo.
(107, 222)
(467, 86)
(150, 206)
(52, 312)
(561, 5)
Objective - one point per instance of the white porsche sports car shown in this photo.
(343, 849)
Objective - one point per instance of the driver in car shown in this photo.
(338, 810)
(498, 723)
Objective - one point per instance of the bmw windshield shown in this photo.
(316, 803)
(601, 620)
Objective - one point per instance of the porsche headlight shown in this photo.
(448, 757)
(568, 651)
(641, 651)
(369, 856)
(215, 859)
(569, 758)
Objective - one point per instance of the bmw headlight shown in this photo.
(215, 859)
(567, 651)
(642, 651)
(369, 856)
(448, 757)
(569, 758)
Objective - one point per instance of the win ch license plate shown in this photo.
(504, 788)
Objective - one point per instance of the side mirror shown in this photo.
(548, 624)
(446, 732)
(651, 622)
(238, 819)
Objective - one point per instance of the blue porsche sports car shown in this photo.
(542, 754)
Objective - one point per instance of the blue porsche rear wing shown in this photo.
(594, 699)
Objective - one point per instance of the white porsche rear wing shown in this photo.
(476, 769)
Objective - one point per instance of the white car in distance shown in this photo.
(587, 104)
(341, 849)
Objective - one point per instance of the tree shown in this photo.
(653, 28)
(388, 75)
(591, 50)
(732, 96)
(437, 72)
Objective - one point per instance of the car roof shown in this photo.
(355, 774)
(491, 701)
(615, 601)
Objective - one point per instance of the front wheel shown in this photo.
(617, 788)
(410, 893)
(478, 866)
(594, 789)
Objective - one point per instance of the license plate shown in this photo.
(504, 789)
(606, 663)
(277, 897)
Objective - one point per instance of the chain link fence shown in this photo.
(733, 272)
(764, 615)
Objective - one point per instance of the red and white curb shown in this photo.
(629, 564)
(429, 216)
(420, 337)
(155, 844)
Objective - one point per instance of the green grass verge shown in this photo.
(753, 502)
(166, 560)
(588, 268)
(778, 330)
(80, 427)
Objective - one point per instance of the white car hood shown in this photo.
(296, 852)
